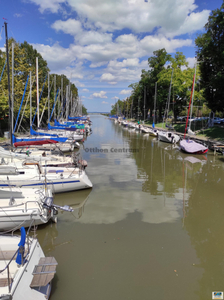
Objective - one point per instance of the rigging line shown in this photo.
(1, 32)
(24, 109)
(11, 32)
(4, 64)
(13, 229)
(3, 70)
(9, 216)
(45, 104)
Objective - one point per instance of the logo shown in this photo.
(217, 295)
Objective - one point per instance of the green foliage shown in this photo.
(84, 110)
(24, 63)
(210, 54)
(161, 66)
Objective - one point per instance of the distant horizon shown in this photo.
(98, 112)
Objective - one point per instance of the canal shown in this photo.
(150, 228)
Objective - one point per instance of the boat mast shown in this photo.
(48, 96)
(131, 107)
(55, 95)
(192, 95)
(62, 100)
(66, 111)
(30, 99)
(155, 105)
(189, 106)
(10, 104)
(37, 81)
(168, 106)
(144, 101)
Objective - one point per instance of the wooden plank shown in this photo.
(44, 269)
(41, 280)
(4, 282)
(44, 272)
(47, 260)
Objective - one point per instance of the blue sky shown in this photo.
(103, 45)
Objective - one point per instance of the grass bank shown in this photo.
(213, 133)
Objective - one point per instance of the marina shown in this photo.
(123, 201)
(146, 228)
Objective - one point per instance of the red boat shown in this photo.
(30, 143)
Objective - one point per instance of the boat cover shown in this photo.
(35, 142)
(191, 146)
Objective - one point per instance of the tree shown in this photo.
(210, 54)
(24, 62)
(84, 110)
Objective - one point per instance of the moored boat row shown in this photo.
(185, 145)
(30, 174)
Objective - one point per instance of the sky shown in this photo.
(102, 45)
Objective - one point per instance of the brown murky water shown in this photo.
(151, 227)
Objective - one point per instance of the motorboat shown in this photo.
(168, 137)
(145, 129)
(25, 272)
(154, 132)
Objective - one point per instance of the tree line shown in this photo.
(25, 62)
(169, 79)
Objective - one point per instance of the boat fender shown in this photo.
(19, 258)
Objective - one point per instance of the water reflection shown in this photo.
(155, 169)
(75, 200)
(151, 227)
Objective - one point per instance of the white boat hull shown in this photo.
(18, 207)
(58, 179)
(168, 137)
(21, 275)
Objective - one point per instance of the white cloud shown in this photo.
(78, 84)
(170, 16)
(107, 77)
(85, 90)
(192, 23)
(116, 59)
(101, 94)
(94, 37)
(125, 92)
(51, 5)
(104, 102)
(56, 56)
(152, 43)
(191, 62)
(115, 98)
(70, 26)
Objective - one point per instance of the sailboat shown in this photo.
(187, 145)
(33, 174)
(168, 136)
(153, 131)
(25, 272)
(19, 206)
